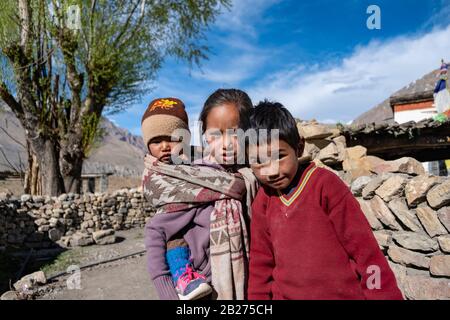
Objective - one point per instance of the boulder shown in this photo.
(439, 195)
(440, 265)
(311, 150)
(5, 195)
(357, 163)
(369, 190)
(30, 281)
(26, 197)
(355, 153)
(54, 234)
(53, 222)
(383, 213)
(320, 164)
(391, 188)
(81, 240)
(425, 288)
(104, 237)
(40, 222)
(444, 217)
(416, 189)
(407, 217)
(403, 165)
(400, 274)
(341, 145)
(44, 228)
(359, 184)
(415, 241)
(428, 218)
(329, 155)
(444, 243)
(313, 131)
(408, 258)
(384, 238)
(10, 295)
(64, 241)
(366, 208)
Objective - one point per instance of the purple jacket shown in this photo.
(161, 228)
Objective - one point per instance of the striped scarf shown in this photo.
(171, 188)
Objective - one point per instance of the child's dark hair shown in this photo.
(273, 115)
(234, 96)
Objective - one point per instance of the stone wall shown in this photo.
(39, 222)
(408, 209)
(410, 218)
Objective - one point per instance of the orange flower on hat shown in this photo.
(164, 104)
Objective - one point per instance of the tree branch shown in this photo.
(127, 23)
(25, 24)
(10, 100)
(13, 139)
(11, 166)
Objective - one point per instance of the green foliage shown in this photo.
(118, 49)
(62, 262)
(91, 131)
(441, 118)
(340, 126)
(9, 29)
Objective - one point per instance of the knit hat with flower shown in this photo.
(162, 117)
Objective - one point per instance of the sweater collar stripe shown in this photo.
(300, 187)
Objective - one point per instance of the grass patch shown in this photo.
(62, 262)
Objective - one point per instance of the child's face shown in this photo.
(275, 173)
(163, 147)
(222, 123)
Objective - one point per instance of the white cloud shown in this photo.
(234, 70)
(368, 76)
(243, 15)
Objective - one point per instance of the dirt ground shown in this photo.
(122, 279)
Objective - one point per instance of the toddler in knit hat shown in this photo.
(164, 121)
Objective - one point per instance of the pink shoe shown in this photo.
(191, 285)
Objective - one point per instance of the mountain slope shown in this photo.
(118, 152)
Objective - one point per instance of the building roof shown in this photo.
(426, 140)
(417, 91)
(382, 113)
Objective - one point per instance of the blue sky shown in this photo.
(317, 57)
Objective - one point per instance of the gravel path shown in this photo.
(122, 279)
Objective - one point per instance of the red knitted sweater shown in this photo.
(315, 243)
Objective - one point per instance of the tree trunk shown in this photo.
(43, 173)
(71, 161)
(32, 176)
(72, 181)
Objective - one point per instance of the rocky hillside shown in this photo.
(119, 151)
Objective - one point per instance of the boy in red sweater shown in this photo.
(309, 237)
